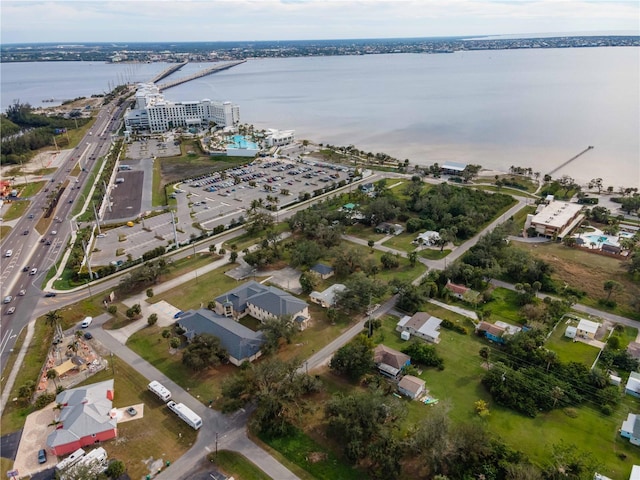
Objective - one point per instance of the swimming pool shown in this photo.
(239, 141)
(600, 240)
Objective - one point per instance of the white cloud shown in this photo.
(220, 20)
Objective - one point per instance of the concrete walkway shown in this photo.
(453, 308)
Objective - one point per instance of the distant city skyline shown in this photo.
(31, 21)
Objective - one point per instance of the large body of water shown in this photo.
(531, 108)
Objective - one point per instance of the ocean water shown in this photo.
(532, 108)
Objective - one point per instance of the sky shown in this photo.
(64, 21)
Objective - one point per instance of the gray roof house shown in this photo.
(631, 429)
(85, 417)
(325, 271)
(240, 342)
(327, 298)
(389, 361)
(261, 302)
(422, 325)
(412, 387)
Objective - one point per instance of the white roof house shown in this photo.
(421, 325)
(556, 218)
(633, 384)
(587, 327)
(326, 298)
(570, 332)
(635, 473)
(427, 238)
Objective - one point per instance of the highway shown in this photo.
(30, 250)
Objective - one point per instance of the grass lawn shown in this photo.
(402, 242)
(158, 433)
(587, 272)
(4, 231)
(15, 413)
(298, 448)
(364, 232)
(237, 465)
(11, 359)
(431, 254)
(32, 188)
(16, 209)
(458, 386)
(567, 349)
(6, 464)
(504, 306)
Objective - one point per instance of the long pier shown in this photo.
(590, 147)
(168, 71)
(202, 73)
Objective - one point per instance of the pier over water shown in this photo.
(202, 73)
(590, 147)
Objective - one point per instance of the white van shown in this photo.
(86, 322)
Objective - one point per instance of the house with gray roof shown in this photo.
(325, 271)
(631, 429)
(262, 302)
(390, 362)
(85, 418)
(421, 325)
(241, 343)
(327, 298)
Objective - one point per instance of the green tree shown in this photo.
(152, 319)
(354, 359)
(149, 292)
(53, 317)
(115, 469)
(52, 374)
(612, 287)
(204, 352)
(275, 329)
(309, 281)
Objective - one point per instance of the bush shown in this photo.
(174, 342)
(449, 325)
(112, 309)
(44, 400)
(153, 319)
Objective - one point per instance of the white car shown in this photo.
(53, 232)
(8, 253)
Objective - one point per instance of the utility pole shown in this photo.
(175, 233)
(106, 195)
(86, 257)
(97, 219)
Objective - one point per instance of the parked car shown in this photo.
(132, 411)
(179, 314)
(42, 456)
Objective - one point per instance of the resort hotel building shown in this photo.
(556, 219)
(151, 112)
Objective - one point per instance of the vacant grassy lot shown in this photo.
(434, 254)
(567, 349)
(237, 465)
(364, 232)
(157, 434)
(458, 386)
(16, 209)
(402, 242)
(588, 272)
(504, 306)
(4, 231)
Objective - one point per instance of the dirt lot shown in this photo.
(586, 271)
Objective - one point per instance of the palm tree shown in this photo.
(52, 374)
(53, 317)
(556, 393)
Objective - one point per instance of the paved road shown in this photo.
(229, 429)
(579, 307)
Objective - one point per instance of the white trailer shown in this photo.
(70, 460)
(93, 463)
(186, 414)
(160, 391)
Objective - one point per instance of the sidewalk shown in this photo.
(164, 310)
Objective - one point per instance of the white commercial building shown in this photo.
(153, 113)
(556, 219)
(279, 138)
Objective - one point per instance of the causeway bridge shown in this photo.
(168, 71)
(201, 73)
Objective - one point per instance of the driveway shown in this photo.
(34, 437)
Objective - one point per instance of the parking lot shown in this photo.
(221, 198)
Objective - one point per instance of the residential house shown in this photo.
(327, 298)
(421, 325)
(631, 429)
(389, 228)
(428, 238)
(587, 329)
(389, 361)
(325, 271)
(412, 387)
(633, 384)
(497, 332)
(85, 418)
(368, 189)
(261, 302)
(461, 292)
(635, 473)
(241, 343)
(453, 168)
